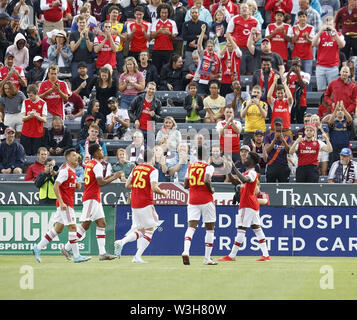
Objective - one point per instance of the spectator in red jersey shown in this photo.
(297, 81)
(324, 109)
(308, 149)
(55, 93)
(53, 13)
(328, 41)
(274, 5)
(138, 33)
(164, 31)
(231, 8)
(345, 20)
(39, 166)
(341, 89)
(240, 28)
(106, 47)
(12, 73)
(301, 36)
(34, 112)
(277, 32)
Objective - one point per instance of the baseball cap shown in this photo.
(9, 54)
(82, 64)
(37, 58)
(89, 118)
(278, 120)
(266, 39)
(346, 152)
(113, 99)
(259, 132)
(245, 147)
(280, 10)
(9, 129)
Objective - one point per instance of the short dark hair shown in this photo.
(265, 59)
(48, 160)
(139, 8)
(255, 157)
(280, 87)
(193, 84)
(93, 148)
(214, 81)
(69, 151)
(302, 13)
(112, 8)
(148, 155)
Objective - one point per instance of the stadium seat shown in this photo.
(177, 97)
(12, 177)
(73, 126)
(323, 179)
(311, 110)
(246, 81)
(178, 113)
(113, 145)
(313, 98)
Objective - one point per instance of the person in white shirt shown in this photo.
(118, 120)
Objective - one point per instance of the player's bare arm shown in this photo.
(240, 176)
(155, 188)
(186, 183)
(104, 181)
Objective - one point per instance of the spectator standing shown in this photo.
(55, 93)
(123, 165)
(4, 42)
(257, 146)
(169, 135)
(313, 15)
(343, 170)
(277, 147)
(179, 164)
(345, 20)
(218, 29)
(45, 182)
(87, 121)
(12, 154)
(58, 138)
(34, 43)
(254, 112)
(39, 166)
(275, 5)
(194, 104)
(230, 8)
(118, 120)
(214, 103)
(219, 164)
(129, 7)
(98, 117)
(20, 51)
(53, 12)
(203, 13)
(12, 73)
(97, 8)
(131, 82)
(323, 156)
(60, 54)
(34, 112)
(173, 76)
(105, 8)
(148, 70)
(328, 42)
(177, 14)
(329, 8)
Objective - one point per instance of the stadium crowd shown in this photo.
(119, 71)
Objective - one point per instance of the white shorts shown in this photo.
(145, 218)
(207, 210)
(14, 120)
(323, 156)
(92, 210)
(65, 217)
(247, 217)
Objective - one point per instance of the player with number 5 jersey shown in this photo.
(198, 181)
(142, 181)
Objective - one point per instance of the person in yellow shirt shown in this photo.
(254, 113)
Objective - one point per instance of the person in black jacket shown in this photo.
(99, 118)
(144, 109)
(129, 6)
(147, 69)
(45, 182)
(194, 104)
(4, 42)
(177, 13)
(59, 138)
(173, 76)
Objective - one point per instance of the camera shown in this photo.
(54, 168)
(328, 29)
(254, 96)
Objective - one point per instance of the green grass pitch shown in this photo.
(165, 277)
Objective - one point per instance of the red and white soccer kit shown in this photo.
(92, 207)
(14, 79)
(229, 141)
(328, 52)
(293, 78)
(67, 179)
(200, 199)
(33, 127)
(106, 54)
(240, 29)
(164, 41)
(278, 43)
(302, 48)
(230, 63)
(281, 109)
(138, 43)
(308, 152)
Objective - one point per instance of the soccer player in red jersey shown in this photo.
(198, 181)
(248, 214)
(142, 181)
(92, 207)
(64, 189)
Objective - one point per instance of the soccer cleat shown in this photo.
(81, 259)
(186, 259)
(262, 258)
(138, 260)
(66, 253)
(209, 262)
(227, 258)
(118, 248)
(37, 252)
(106, 256)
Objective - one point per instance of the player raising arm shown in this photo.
(198, 181)
(143, 181)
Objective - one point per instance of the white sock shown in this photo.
(188, 238)
(47, 238)
(100, 233)
(144, 243)
(209, 238)
(262, 243)
(72, 237)
(132, 237)
(80, 233)
(238, 241)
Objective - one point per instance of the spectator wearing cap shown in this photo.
(36, 74)
(277, 147)
(254, 112)
(244, 151)
(118, 120)
(49, 39)
(38, 166)
(297, 81)
(308, 149)
(12, 154)
(278, 5)
(34, 43)
(4, 42)
(343, 170)
(59, 138)
(81, 44)
(257, 146)
(80, 83)
(53, 11)
(74, 106)
(277, 32)
(20, 51)
(83, 133)
(328, 42)
(33, 112)
(60, 53)
(94, 111)
(12, 73)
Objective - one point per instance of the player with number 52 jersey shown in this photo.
(198, 181)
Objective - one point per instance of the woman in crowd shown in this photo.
(169, 134)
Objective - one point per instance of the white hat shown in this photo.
(52, 33)
(37, 58)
